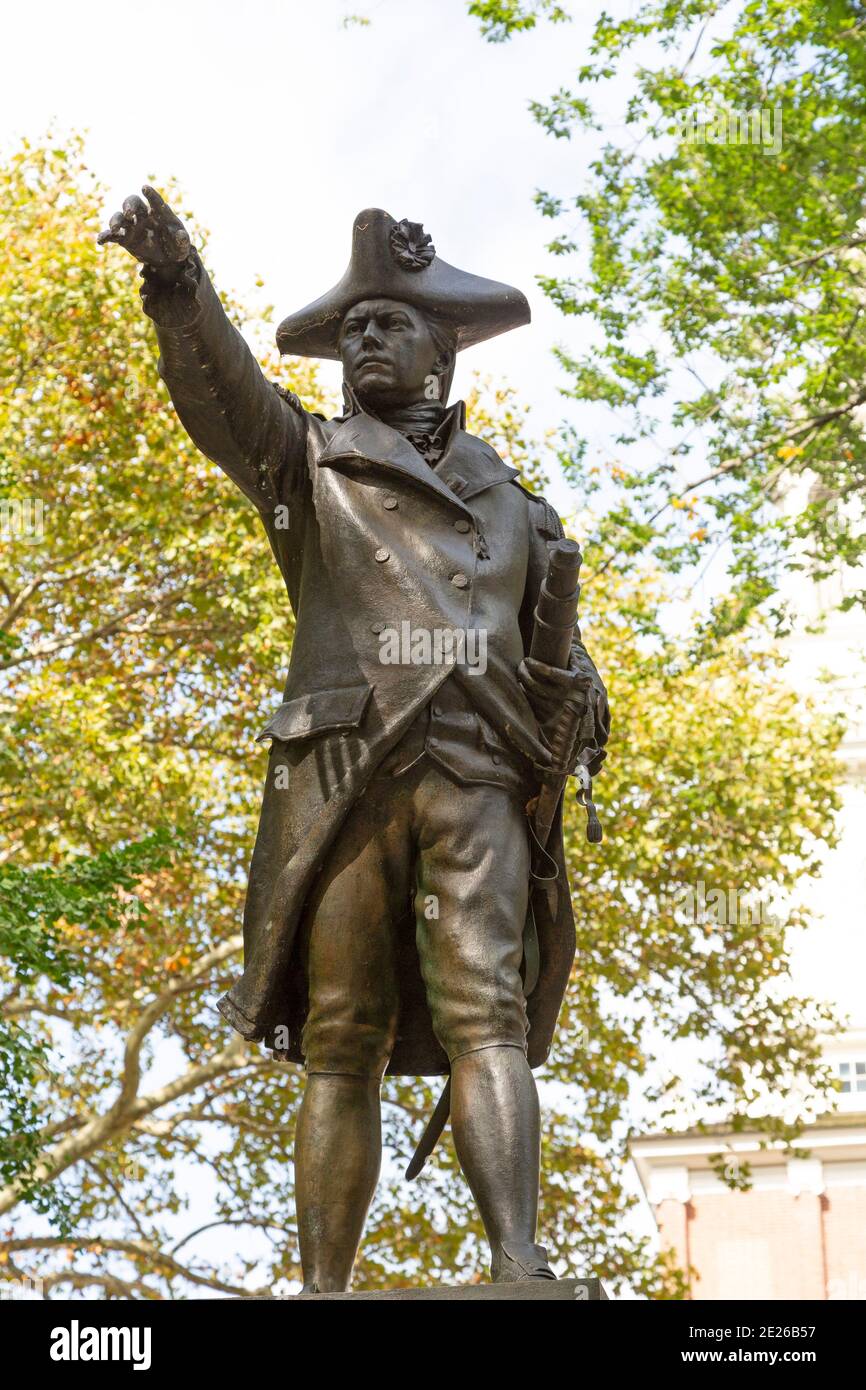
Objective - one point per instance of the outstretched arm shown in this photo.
(228, 407)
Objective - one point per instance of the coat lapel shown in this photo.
(364, 439)
(468, 465)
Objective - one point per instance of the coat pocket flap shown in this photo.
(318, 713)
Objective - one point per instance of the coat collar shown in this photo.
(467, 467)
(470, 466)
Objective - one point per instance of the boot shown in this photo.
(511, 1263)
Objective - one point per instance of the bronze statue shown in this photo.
(400, 914)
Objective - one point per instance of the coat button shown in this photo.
(436, 710)
(462, 526)
(495, 757)
(383, 554)
(460, 580)
(377, 628)
(390, 504)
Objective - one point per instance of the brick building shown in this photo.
(798, 1233)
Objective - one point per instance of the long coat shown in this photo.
(366, 535)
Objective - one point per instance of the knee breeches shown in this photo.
(458, 857)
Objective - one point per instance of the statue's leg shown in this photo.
(338, 1147)
(348, 949)
(474, 860)
(495, 1123)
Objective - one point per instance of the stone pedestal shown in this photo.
(528, 1291)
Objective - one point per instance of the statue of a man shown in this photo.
(391, 921)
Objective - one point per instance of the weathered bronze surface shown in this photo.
(399, 915)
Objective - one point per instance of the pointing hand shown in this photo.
(152, 234)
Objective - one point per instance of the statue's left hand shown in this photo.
(548, 687)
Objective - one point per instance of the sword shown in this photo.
(434, 1127)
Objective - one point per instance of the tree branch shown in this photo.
(94, 1133)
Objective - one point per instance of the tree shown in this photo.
(40, 909)
(718, 251)
(145, 632)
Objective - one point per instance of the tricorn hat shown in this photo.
(397, 260)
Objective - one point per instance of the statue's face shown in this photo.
(388, 353)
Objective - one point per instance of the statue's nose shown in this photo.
(371, 332)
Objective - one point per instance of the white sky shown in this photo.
(281, 125)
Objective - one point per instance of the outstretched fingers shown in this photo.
(149, 230)
(134, 207)
(170, 225)
(118, 225)
(158, 206)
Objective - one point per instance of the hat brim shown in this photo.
(471, 307)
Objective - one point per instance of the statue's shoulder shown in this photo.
(292, 401)
(296, 404)
(542, 516)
